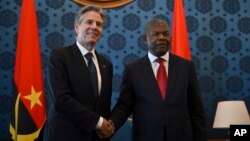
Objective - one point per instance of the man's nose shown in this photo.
(93, 25)
(161, 35)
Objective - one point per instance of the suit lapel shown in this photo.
(173, 70)
(148, 73)
(81, 64)
(78, 59)
(102, 68)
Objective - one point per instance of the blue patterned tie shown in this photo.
(93, 72)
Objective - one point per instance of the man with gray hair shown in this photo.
(80, 81)
(161, 90)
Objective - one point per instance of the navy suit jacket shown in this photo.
(74, 110)
(180, 117)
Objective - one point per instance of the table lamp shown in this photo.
(231, 113)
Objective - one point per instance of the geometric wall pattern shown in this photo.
(219, 34)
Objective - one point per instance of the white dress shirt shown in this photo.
(84, 51)
(155, 65)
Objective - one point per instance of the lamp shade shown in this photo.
(231, 113)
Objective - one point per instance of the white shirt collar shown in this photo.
(152, 58)
(84, 51)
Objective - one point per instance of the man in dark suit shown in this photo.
(161, 91)
(81, 84)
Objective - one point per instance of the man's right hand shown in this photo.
(106, 130)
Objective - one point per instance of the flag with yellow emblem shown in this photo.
(28, 116)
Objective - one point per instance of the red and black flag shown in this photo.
(28, 115)
(180, 41)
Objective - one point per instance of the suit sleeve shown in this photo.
(62, 97)
(123, 108)
(195, 107)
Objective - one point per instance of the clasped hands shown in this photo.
(107, 129)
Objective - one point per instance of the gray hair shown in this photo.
(80, 13)
(154, 22)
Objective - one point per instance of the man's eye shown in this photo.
(166, 34)
(156, 34)
(89, 22)
(99, 24)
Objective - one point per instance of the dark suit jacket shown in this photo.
(74, 111)
(180, 117)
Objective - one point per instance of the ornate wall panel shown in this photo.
(219, 33)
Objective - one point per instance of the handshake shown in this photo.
(107, 129)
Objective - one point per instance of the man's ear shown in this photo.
(76, 28)
(144, 38)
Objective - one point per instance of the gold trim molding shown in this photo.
(104, 3)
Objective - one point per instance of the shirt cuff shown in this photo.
(99, 124)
